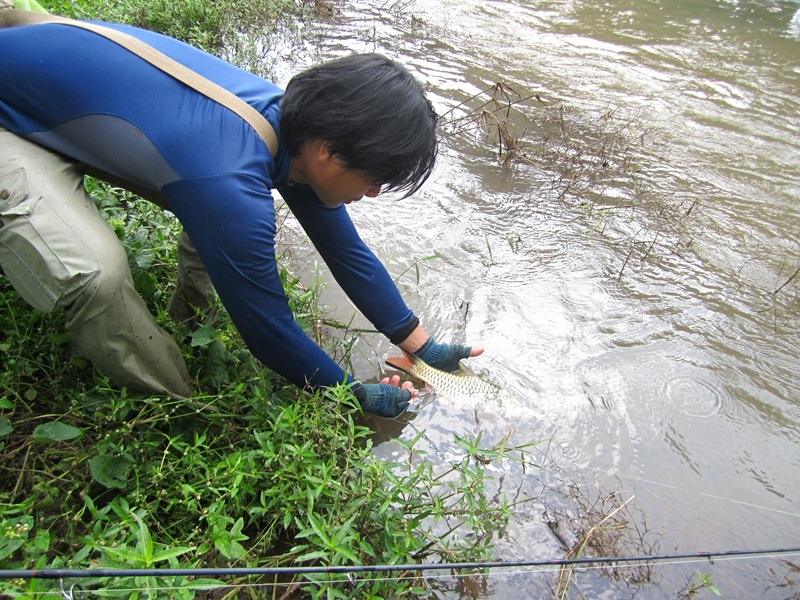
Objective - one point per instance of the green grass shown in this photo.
(203, 23)
(250, 472)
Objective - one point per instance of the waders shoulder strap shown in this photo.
(10, 18)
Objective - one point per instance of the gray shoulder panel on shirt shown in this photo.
(111, 144)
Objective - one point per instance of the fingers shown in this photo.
(394, 381)
(407, 385)
(476, 351)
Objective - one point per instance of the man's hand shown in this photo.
(387, 398)
(445, 357)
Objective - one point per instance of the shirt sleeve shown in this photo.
(354, 266)
(231, 221)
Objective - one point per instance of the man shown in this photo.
(73, 102)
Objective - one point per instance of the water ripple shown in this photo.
(695, 395)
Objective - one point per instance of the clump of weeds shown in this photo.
(592, 163)
(697, 585)
(589, 521)
(493, 118)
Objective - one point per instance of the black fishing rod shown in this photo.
(354, 569)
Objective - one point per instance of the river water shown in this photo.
(626, 271)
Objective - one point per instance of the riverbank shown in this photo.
(200, 23)
(250, 472)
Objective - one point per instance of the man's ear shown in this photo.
(327, 155)
(325, 152)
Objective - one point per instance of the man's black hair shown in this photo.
(371, 111)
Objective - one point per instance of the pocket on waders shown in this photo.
(27, 260)
(13, 190)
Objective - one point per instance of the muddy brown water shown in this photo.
(636, 321)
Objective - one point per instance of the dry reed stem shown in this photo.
(583, 161)
(603, 526)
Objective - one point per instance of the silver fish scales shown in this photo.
(460, 384)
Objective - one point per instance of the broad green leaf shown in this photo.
(144, 259)
(170, 553)
(41, 542)
(8, 546)
(204, 335)
(236, 530)
(82, 554)
(55, 431)
(14, 534)
(237, 550)
(227, 542)
(144, 282)
(366, 548)
(334, 593)
(223, 544)
(124, 555)
(110, 471)
(304, 533)
(218, 364)
(145, 540)
(5, 402)
(311, 556)
(30, 394)
(347, 554)
(5, 427)
(228, 548)
(317, 527)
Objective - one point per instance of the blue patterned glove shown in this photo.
(444, 357)
(381, 399)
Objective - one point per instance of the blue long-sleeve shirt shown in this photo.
(86, 97)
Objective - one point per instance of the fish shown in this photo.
(460, 384)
